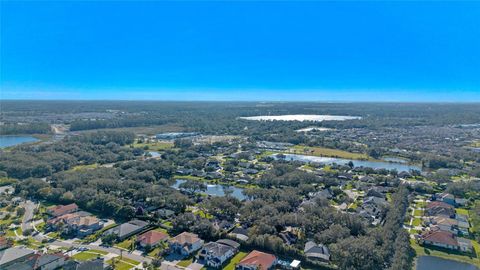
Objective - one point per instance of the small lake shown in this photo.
(154, 154)
(301, 117)
(357, 163)
(436, 263)
(6, 141)
(216, 190)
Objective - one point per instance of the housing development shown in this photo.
(163, 185)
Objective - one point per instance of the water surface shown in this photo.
(436, 263)
(6, 141)
(357, 163)
(301, 117)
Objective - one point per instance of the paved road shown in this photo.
(27, 218)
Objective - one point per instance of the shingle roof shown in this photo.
(14, 253)
(259, 259)
(440, 236)
(185, 238)
(317, 251)
(151, 237)
(217, 249)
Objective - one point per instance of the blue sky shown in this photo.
(314, 51)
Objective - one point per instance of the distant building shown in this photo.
(257, 260)
(175, 135)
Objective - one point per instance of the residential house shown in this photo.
(185, 243)
(151, 239)
(445, 239)
(127, 229)
(84, 226)
(257, 260)
(316, 251)
(49, 261)
(438, 208)
(240, 233)
(446, 198)
(4, 243)
(215, 254)
(59, 210)
(165, 213)
(14, 255)
(96, 264)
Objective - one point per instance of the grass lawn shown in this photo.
(416, 222)
(130, 261)
(84, 167)
(162, 230)
(185, 263)
(446, 254)
(98, 251)
(126, 244)
(155, 252)
(85, 256)
(418, 212)
(327, 152)
(461, 211)
(120, 265)
(235, 260)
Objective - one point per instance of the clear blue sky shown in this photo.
(318, 51)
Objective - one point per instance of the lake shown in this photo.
(313, 129)
(6, 141)
(357, 163)
(431, 262)
(216, 190)
(301, 117)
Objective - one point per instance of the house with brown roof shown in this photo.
(445, 239)
(4, 243)
(151, 238)
(437, 208)
(185, 243)
(59, 210)
(257, 260)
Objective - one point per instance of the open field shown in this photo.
(327, 152)
(154, 146)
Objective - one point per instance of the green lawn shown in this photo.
(418, 212)
(185, 263)
(327, 152)
(85, 256)
(126, 244)
(235, 260)
(416, 222)
(98, 251)
(461, 211)
(443, 253)
(120, 265)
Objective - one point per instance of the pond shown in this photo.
(357, 163)
(301, 117)
(6, 141)
(216, 190)
(154, 154)
(431, 262)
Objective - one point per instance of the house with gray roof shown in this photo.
(127, 229)
(316, 251)
(11, 256)
(215, 254)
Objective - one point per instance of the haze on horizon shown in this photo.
(245, 51)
